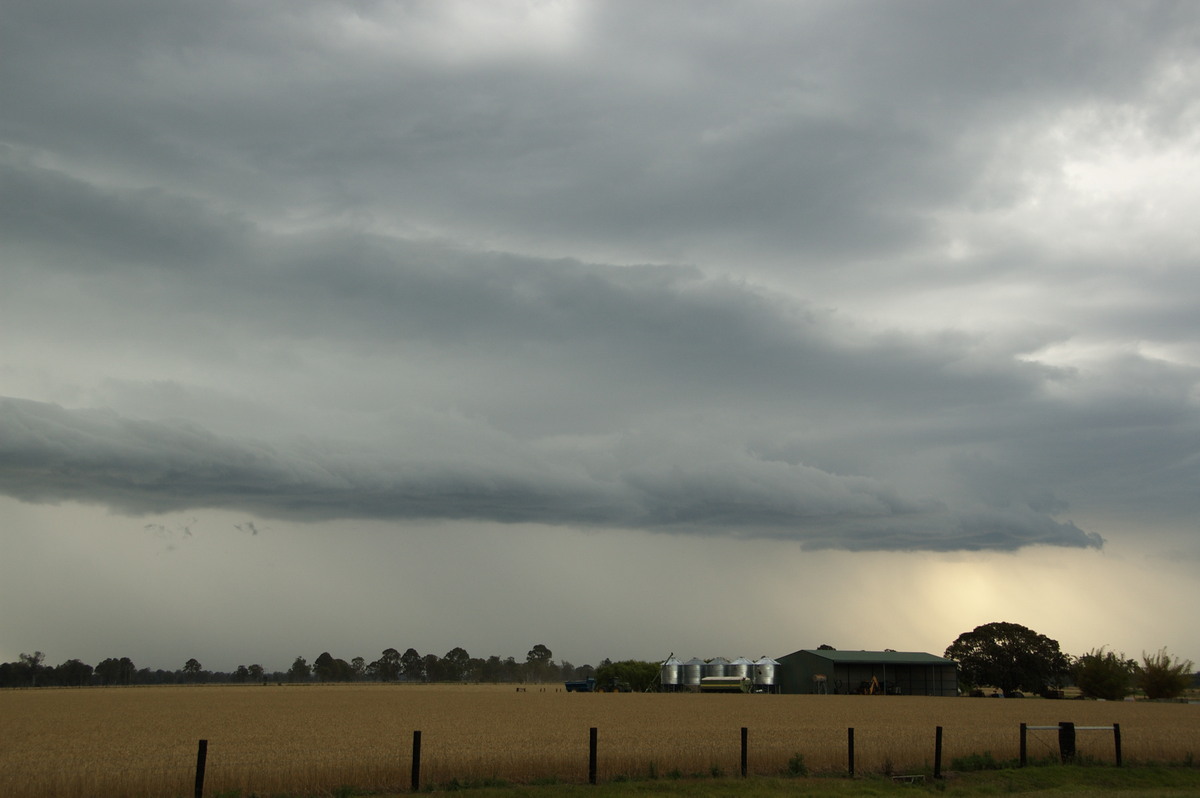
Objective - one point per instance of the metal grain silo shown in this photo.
(764, 674)
(741, 668)
(693, 671)
(671, 674)
(717, 666)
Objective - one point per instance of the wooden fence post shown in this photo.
(850, 748)
(416, 761)
(1024, 744)
(1066, 741)
(937, 753)
(1117, 741)
(592, 756)
(201, 758)
(745, 731)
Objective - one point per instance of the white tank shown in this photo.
(717, 666)
(693, 671)
(740, 667)
(671, 672)
(764, 671)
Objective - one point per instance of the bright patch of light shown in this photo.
(455, 31)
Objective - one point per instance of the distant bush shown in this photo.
(1162, 677)
(1103, 674)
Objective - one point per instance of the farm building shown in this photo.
(878, 672)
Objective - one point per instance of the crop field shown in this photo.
(142, 742)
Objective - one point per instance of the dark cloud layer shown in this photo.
(50, 454)
(861, 275)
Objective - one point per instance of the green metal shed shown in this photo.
(879, 672)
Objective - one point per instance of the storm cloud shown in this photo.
(50, 454)
(851, 279)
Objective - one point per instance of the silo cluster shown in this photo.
(753, 675)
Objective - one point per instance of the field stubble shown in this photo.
(140, 742)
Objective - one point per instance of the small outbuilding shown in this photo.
(867, 672)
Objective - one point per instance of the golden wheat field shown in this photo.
(142, 742)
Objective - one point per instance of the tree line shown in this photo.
(456, 665)
(1007, 658)
(1011, 659)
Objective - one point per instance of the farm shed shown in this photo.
(887, 672)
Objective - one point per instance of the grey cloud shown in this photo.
(151, 185)
(542, 336)
(49, 454)
(801, 130)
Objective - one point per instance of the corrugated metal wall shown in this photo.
(797, 670)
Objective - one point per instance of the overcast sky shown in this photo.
(626, 328)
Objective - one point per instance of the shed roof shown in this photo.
(884, 657)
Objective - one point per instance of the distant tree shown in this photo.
(639, 675)
(241, 675)
(358, 666)
(113, 671)
(1160, 676)
(256, 672)
(74, 673)
(455, 664)
(431, 668)
(492, 670)
(192, 670)
(1009, 656)
(11, 675)
(387, 667)
(412, 665)
(299, 672)
(328, 668)
(537, 663)
(825, 647)
(31, 664)
(1103, 674)
(324, 667)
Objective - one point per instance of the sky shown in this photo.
(626, 328)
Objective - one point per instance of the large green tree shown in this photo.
(1008, 656)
